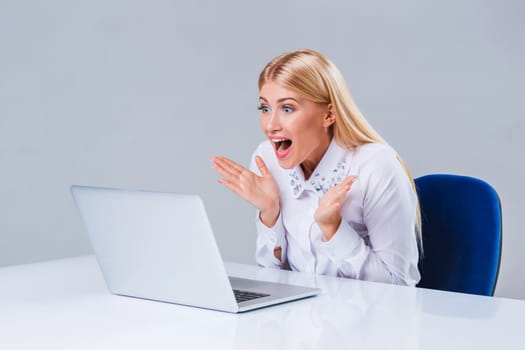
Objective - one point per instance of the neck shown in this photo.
(309, 164)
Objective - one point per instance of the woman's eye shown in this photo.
(287, 109)
(264, 109)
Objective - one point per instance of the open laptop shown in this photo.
(160, 246)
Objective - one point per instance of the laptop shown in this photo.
(160, 246)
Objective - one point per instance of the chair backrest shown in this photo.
(462, 235)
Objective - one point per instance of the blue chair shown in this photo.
(461, 230)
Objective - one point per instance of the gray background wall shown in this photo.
(142, 93)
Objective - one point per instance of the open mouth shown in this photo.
(282, 147)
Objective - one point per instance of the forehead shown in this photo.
(273, 92)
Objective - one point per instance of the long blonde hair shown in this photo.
(316, 78)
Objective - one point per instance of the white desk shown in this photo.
(64, 304)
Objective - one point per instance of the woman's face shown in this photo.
(296, 127)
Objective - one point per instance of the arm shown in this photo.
(258, 187)
(389, 212)
(271, 244)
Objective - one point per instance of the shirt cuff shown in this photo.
(274, 236)
(343, 243)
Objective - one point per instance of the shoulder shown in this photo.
(376, 156)
(370, 150)
(379, 167)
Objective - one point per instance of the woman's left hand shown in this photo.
(327, 215)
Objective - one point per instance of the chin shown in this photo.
(286, 164)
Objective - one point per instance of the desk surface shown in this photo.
(64, 304)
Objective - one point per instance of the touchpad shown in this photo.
(244, 284)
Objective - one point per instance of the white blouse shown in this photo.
(376, 240)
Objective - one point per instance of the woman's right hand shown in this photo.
(260, 191)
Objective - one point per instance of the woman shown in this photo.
(332, 197)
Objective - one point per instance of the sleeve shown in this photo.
(268, 238)
(389, 214)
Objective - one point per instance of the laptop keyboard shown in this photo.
(242, 295)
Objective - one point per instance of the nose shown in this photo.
(271, 122)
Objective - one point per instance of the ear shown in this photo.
(329, 117)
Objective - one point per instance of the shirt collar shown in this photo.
(331, 170)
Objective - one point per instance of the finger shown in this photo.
(224, 171)
(346, 184)
(336, 206)
(339, 192)
(222, 165)
(329, 210)
(227, 167)
(342, 192)
(228, 163)
(261, 165)
(351, 179)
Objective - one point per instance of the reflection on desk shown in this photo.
(65, 304)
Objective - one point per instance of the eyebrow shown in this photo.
(279, 100)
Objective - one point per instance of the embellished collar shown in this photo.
(331, 170)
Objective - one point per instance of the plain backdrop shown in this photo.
(140, 94)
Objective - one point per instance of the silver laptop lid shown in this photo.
(157, 246)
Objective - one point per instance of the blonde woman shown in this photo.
(332, 197)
